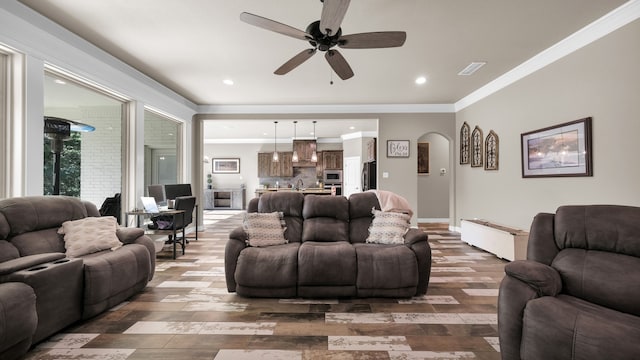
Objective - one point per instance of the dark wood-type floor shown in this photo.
(186, 313)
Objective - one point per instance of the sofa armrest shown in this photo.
(151, 247)
(25, 262)
(417, 241)
(235, 244)
(127, 235)
(542, 278)
(525, 280)
(414, 235)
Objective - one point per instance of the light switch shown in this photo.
(385, 175)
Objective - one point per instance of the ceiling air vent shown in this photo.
(471, 68)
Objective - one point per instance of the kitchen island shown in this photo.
(305, 191)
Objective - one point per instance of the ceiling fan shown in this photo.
(325, 34)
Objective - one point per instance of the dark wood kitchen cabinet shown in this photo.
(332, 160)
(305, 149)
(268, 168)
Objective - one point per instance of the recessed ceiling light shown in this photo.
(421, 80)
(352, 127)
(471, 68)
(61, 82)
(228, 82)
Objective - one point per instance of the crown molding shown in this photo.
(615, 19)
(326, 109)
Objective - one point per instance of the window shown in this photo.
(3, 122)
(90, 155)
(161, 159)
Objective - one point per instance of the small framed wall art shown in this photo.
(476, 147)
(226, 166)
(465, 135)
(398, 148)
(423, 158)
(491, 151)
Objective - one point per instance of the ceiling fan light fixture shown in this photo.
(472, 68)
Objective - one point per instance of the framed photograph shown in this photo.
(398, 148)
(423, 158)
(560, 150)
(226, 166)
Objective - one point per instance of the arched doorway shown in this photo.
(435, 186)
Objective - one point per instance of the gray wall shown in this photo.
(601, 80)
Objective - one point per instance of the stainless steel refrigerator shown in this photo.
(369, 176)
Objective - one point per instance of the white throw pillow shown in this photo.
(388, 227)
(264, 229)
(90, 235)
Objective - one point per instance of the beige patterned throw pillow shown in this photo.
(264, 229)
(90, 235)
(388, 227)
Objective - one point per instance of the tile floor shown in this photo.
(186, 313)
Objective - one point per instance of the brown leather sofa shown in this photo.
(32, 253)
(577, 296)
(326, 255)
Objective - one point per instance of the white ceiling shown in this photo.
(191, 46)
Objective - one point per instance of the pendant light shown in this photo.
(294, 158)
(314, 155)
(275, 142)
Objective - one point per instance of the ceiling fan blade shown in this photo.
(339, 64)
(373, 40)
(333, 12)
(295, 61)
(275, 26)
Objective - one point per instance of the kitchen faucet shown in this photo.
(299, 184)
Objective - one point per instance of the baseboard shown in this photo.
(433, 220)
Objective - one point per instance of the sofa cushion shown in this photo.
(610, 228)
(601, 277)
(38, 242)
(386, 270)
(326, 263)
(360, 216)
(18, 318)
(290, 204)
(565, 327)
(111, 277)
(274, 266)
(388, 227)
(31, 213)
(89, 235)
(7, 251)
(264, 229)
(326, 218)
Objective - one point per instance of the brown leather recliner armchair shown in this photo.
(577, 296)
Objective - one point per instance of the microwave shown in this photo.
(332, 176)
